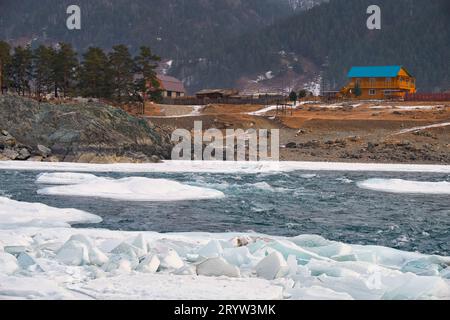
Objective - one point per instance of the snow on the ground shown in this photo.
(408, 108)
(412, 108)
(46, 262)
(267, 109)
(417, 129)
(127, 189)
(15, 214)
(233, 167)
(196, 111)
(405, 186)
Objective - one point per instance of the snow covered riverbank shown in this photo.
(42, 260)
(221, 167)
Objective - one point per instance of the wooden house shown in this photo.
(380, 82)
(171, 87)
(214, 94)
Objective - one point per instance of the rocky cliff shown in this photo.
(77, 132)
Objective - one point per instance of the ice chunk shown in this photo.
(422, 267)
(212, 250)
(140, 243)
(334, 249)
(150, 264)
(287, 248)
(73, 253)
(237, 256)
(26, 261)
(120, 264)
(272, 267)
(129, 250)
(171, 260)
(83, 239)
(8, 263)
(134, 189)
(97, 257)
(187, 270)
(310, 241)
(216, 267)
(15, 250)
(293, 265)
(330, 269)
(404, 186)
(445, 273)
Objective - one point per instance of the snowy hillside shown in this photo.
(304, 4)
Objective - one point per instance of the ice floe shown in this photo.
(127, 189)
(15, 214)
(404, 186)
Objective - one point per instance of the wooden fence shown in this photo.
(265, 100)
(428, 97)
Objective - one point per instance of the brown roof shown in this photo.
(170, 83)
(223, 92)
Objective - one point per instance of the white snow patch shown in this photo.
(417, 129)
(412, 108)
(404, 186)
(128, 189)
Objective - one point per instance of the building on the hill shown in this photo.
(171, 87)
(216, 93)
(381, 82)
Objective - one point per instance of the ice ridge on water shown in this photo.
(127, 189)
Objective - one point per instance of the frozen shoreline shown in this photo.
(221, 167)
(41, 261)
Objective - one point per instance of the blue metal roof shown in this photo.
(374, 72)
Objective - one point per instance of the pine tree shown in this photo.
(43, 69)
(147, 84)
(123, 67)
(64, 69)
(302, 94)
(22, 69)
(5, 65)
(95, 74)
(293, 97)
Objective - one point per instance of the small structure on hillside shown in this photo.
(171, 87)
(216, 93)
(379, 82)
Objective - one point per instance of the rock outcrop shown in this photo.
(77, 132)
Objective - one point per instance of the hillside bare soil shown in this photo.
(399, 132)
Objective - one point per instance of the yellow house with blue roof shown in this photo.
(379, 82)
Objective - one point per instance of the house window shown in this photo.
(178, 94)
(388, 82)
(372, 92)
(372, 82)
(169, 93)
